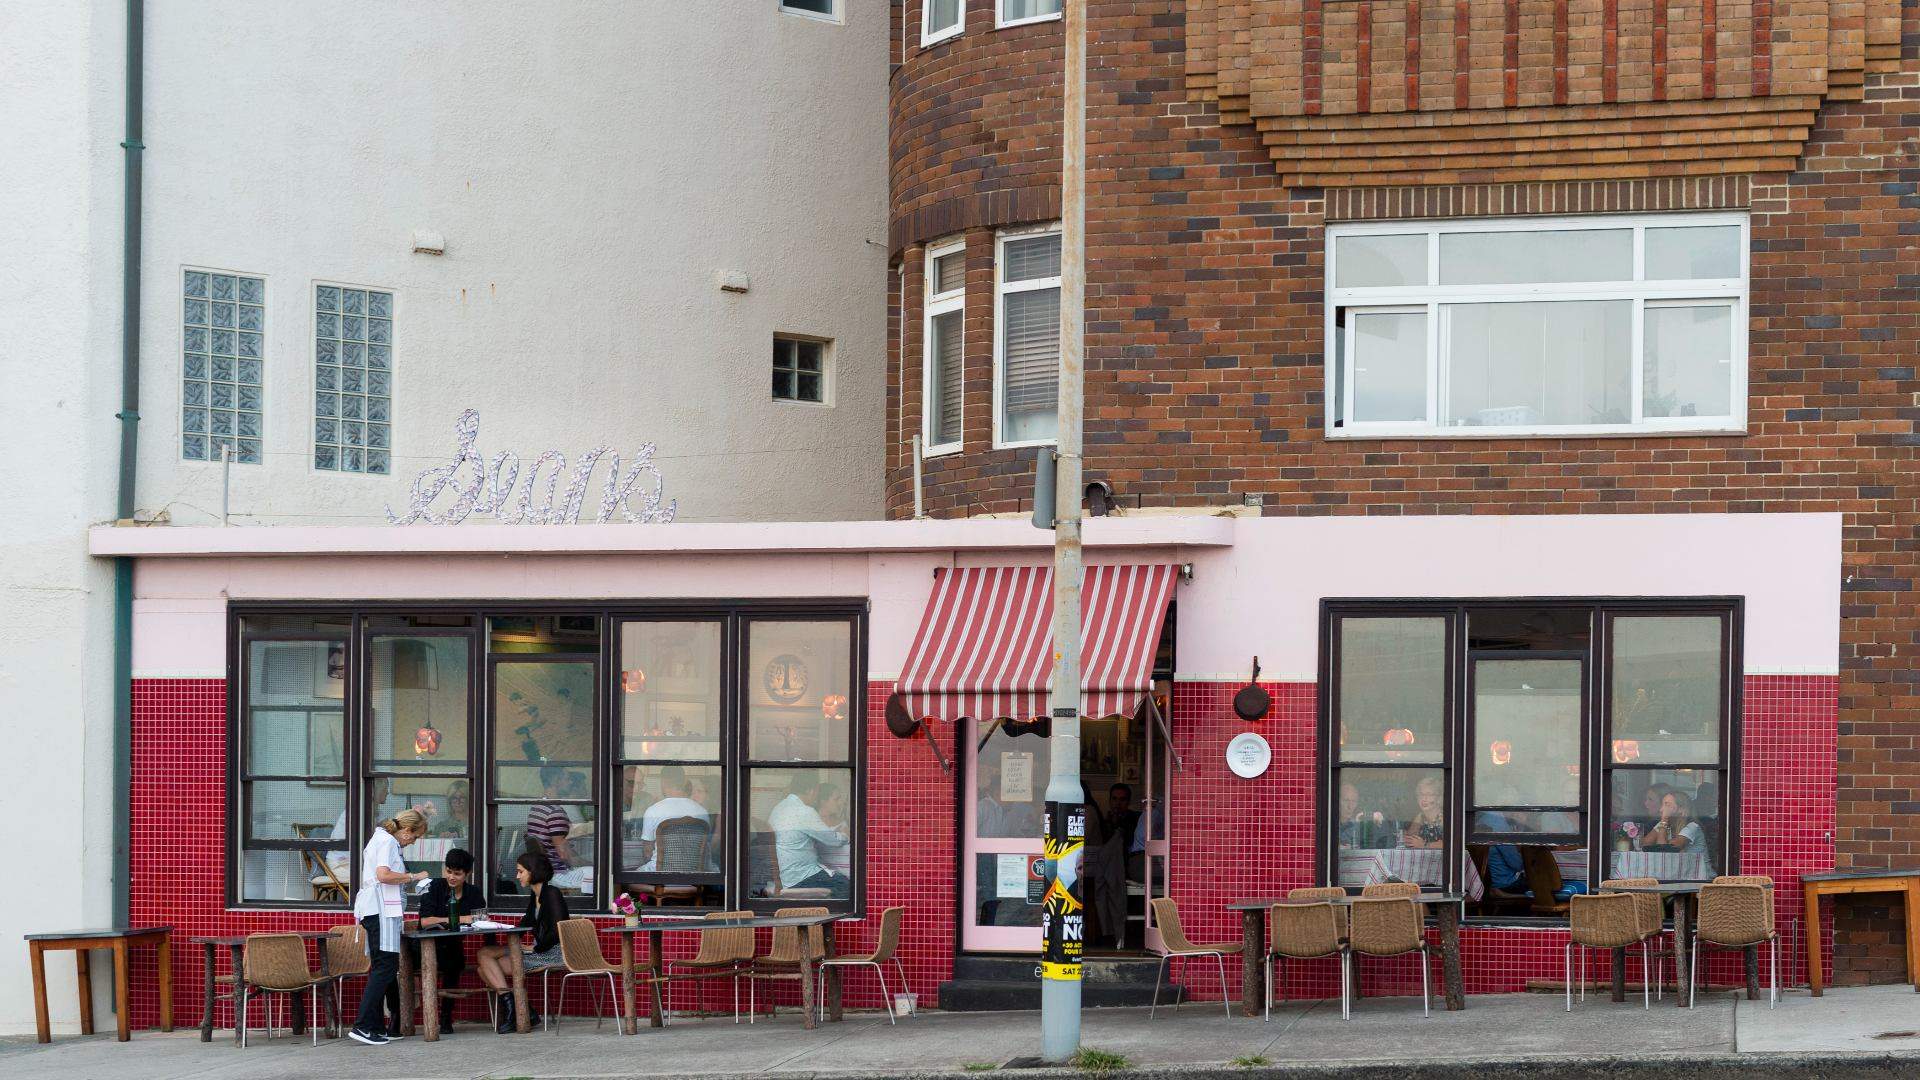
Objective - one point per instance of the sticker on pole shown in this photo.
(1062, 916)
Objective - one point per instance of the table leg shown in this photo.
(1253, 943)
(237, 962)
(430, 990)
(122, 1007)
(807, 1003)
(1913, 933)
(835, 983)
(82, 963)
(297, 1005)
(1812, 933)
(1619, 974)
(516, 967)
(631, 1026)
(404, 980)
(1750, 967)
(164, 957)
(206, 992)
(656, 963)
(42, 1026)
(1682, 945)
(1455, 983)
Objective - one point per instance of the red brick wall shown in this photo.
(1786, 812)
(1204, 339)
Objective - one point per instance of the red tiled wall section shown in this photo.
(179, 811)
(1787, 808)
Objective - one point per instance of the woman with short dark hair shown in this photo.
(546, 910)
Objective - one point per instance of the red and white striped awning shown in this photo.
(985, 646)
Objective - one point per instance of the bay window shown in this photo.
(1537, 326)
(704, 755)
(1502, 749)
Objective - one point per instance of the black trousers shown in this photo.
(382, 995)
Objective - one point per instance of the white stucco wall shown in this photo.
(591, 166)
(59, 386)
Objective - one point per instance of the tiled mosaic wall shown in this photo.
(1787, 804)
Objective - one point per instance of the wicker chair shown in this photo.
(1326, 892)
(1391, 890)
(783, 958)
(724, 954)
(580, 954)
(347, 957)
(1651, 913)
(277, 964)
(1306, 932)
(1605, 920)
(680, 847)
(1737, 914)
(1391, 926)
(1174, 944)
(884, 951)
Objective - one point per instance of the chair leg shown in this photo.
(243, 1017)
(1566, 959)
(901, 970)
(886, 998)
(1426, 983)
(1267, 1011)
(313, 1011)
(1158, 976)
(1773, 995)
(753, 1005)
(1226, 1003)
(1581, 949)
(1346, 983)
(1646, 961)
(1693, 972)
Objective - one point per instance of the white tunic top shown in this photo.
(386, 901)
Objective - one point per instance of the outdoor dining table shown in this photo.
(656, 927)
(1845, 882)
(1686, 899)
(235, 944)
(1253, 929)
(81, 943)
(430, 976)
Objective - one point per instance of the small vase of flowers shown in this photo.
(1628, 833)
(623, 904)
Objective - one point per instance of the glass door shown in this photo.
(1526, 773)
(1152, 868)
(1002, 868)
(544, 766)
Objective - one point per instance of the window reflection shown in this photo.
(1392, 826)
(1664, 823)
(1393, 688)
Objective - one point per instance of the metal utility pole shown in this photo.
(1063, 916)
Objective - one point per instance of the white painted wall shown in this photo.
(59, 354)
(591, 166)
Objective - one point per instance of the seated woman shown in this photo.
(1428, 828)
(546, 910)
(1677, 831)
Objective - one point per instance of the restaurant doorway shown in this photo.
(1122, 769)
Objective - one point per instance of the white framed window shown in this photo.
(942, 341)
(940, 20)
(800, 369)
(223, 326)
(1020, 12)
(824, 10)
(1538, 326)
(352, 379)
(1026, 337)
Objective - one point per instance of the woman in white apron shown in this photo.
(380, 906)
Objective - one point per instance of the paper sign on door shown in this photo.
(1011, 877)
(1016, 777)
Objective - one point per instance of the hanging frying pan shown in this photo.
(1252, 702)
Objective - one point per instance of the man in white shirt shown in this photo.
(799, 833)
(675, 802)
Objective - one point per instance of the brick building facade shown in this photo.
(1225, 138)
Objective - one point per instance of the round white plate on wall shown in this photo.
(1248, 755)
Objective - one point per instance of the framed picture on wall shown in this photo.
(330, 682)
(681, 718)
(324, 755)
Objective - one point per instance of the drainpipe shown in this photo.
(129, 417)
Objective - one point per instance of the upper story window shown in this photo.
(800, 370)
(1015, 12)
(828, 10)
(1026, 376)
(352, 380)
(942, 383)
(223, 328)
(941, 19)
(1538, 326)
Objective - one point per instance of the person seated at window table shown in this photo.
(548, 823)
(451, 902)
(1676, 830)
(676, 801)
(453, 823)
(546, 910)
(1361, 829)
(1650, 802)
(799, 832)
(1428, 828)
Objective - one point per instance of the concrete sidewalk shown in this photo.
(1522, 1035)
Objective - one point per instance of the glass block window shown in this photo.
(352, 380)
(223, 320)
(799, 370)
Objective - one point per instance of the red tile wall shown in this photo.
(1787, 807)
(179, 802)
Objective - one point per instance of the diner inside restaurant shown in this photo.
(702, 755)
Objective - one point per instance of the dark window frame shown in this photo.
(1596, 731)
(738, 612)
